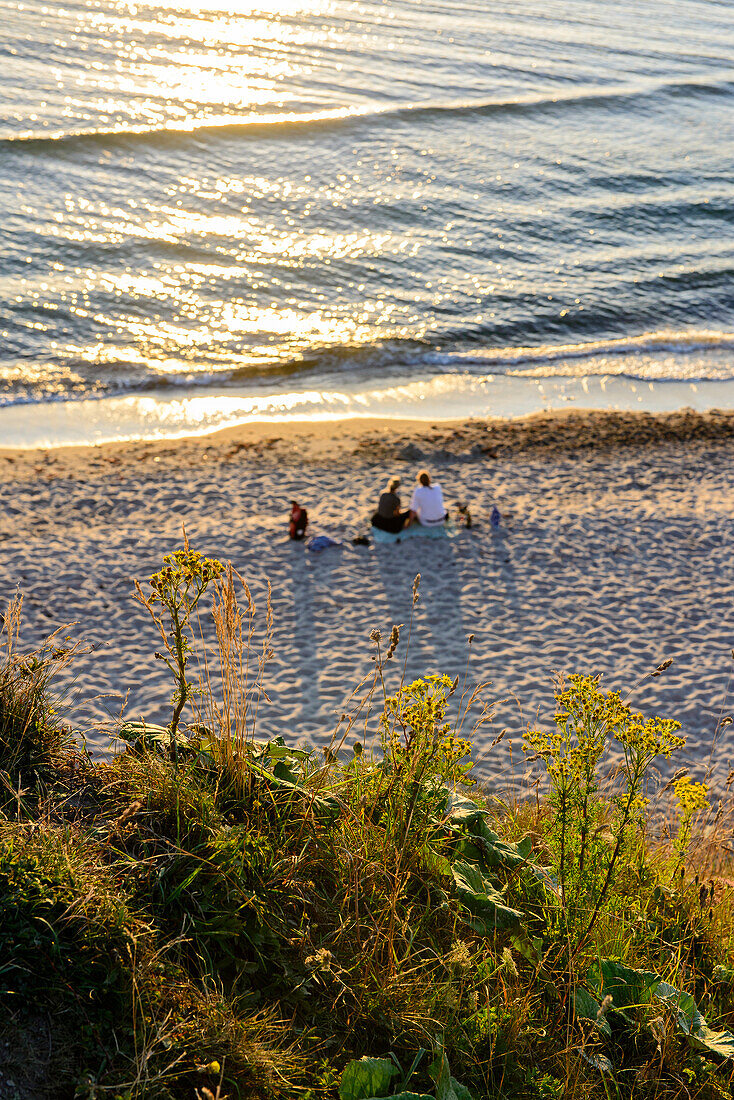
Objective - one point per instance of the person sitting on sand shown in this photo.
(388, 516)
(298, 521)
(427, 506)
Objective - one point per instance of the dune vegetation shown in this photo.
(211, 913)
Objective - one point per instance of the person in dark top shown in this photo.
(388, 516)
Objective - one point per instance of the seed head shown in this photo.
(507, 966)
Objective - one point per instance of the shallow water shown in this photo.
(341, 197)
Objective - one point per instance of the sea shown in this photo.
(316, 208)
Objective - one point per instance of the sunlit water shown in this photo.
(331, 197)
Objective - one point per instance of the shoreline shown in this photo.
(176, 412)
(373, 440)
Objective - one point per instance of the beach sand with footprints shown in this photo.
(614, 553)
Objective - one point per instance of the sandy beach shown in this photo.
(614, 553)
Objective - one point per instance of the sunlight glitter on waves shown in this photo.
(193, 123)
(303, 329)
(254, 241)
(276, 8)
(191, 84)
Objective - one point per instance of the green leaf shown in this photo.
(693, 1024)
(461, 1092)
(587, 1007)
(483, 900)
(630, 987)
(467, 816)
(282, 771)
(405, 1096)
(433, 861)
(447, 1087)
(277, 750)
(531, 948)
(367, 1078)
(598, 1061)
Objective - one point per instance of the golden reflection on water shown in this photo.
(151, 337)
(231, 58)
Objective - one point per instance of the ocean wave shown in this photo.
(276, 124)
(680, 342)
(666, 356)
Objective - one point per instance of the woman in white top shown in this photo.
(427, 504)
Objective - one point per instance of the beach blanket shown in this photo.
(415, 531)
(322, 542)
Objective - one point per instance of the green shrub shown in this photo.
(34, 741)
(229, 915)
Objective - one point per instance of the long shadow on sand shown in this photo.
(438, 640)
(499, 550)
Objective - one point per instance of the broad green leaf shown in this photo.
(587, 1007)
(441, 1074)
(130, 731)
(151, 736)
(282, 771)
(405, 1096)
(461, 1092)
(483, 900)
(447, 1087)
(435, 863)
(598, 1061)
(276, 749)
(530, 948)
(627, 986)
(367, 1078)
(690, 1019)
(630, 987)
(466, 815)
(718, 1043)
(693, 1024)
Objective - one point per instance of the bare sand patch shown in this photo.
(614, 553)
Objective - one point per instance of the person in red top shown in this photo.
(298, 522)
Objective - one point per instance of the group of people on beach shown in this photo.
(426, 506)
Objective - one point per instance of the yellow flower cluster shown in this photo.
(692, 800)
(586, 717)
(182, 570)
(415, 732)
(453, 749)
(691, 797)
(649, 737)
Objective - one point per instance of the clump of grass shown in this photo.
(231, 915)
(34, 740)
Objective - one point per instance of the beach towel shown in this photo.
(415, 531)
(321, 542)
